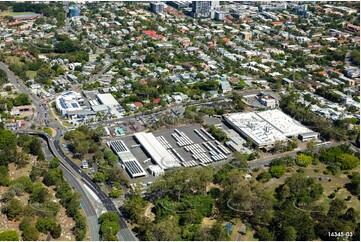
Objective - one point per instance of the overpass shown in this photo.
(74, 170)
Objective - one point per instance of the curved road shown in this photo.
(71, 168)
(72, 178)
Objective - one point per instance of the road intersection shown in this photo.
(71, 171)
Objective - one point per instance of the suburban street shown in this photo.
(72, 170)
(39, 114)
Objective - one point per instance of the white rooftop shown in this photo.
(256, 128)
(107, 99)
(155, 168)
(156, 150)
(68, 101)
(283, 122)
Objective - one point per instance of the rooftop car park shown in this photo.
(186, 146)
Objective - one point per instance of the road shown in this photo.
(265, 161)
(125, 232)
(75, 177)
(40, 111)
(66, 9)
(101, 72)
(72, 177)
(72, 174)
(205, 102)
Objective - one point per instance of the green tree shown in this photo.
(44, 75)
(21, 160)
(53, 177)
(264, 177)
(13, 209)
(56, 231)
(134, 207)
(4, 176)
(167, 230)
(25, 222)
(303, 160)
(45, 225)
(54, 163)
(108, 216)
(354, 185)
(110, 157)
(217, 133)
(99, 177)
(8, 195)
(277, 171)
(66, 46)
(30, 233)
(39, 195)
(109, 227)
(35, 149)
(7, 146)
(347, 161)
(264, 235)
(73, 206)
(337, 206)
(355, 57)
(115, 193)
(21, 99)
(10, 235)
(239, 105)
(289, 234)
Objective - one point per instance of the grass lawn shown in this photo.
(66, 124)
(207, 222)
(48, 131)
(329, 187)
(93, 57)
(11, 13)
(31, 74)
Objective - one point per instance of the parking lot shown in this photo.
(129, 127)
(253, 102)
(190, 147)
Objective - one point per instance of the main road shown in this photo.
(74, 172)
(73, 178)
(40, 111)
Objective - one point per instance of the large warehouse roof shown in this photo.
(107, 99)
(283, 122)
(130, 162)
(156, 150)
(252, 126)
(266, 127)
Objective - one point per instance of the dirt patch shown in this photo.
(148, 212)
(66, 222)
(212, 185)
(66, 225)
(16, 173)
(207, 222)
(8, 225)
(5, 224)
(249, 236)
(53, 132)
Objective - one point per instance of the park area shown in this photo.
(12, 14)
